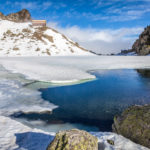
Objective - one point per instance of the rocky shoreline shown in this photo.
(133, 123)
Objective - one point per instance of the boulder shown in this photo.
(74, 140)
(134, 123)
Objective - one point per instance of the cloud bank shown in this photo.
(104, 41)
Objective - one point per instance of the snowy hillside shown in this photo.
(22, 39)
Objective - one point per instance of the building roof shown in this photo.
(38, 20)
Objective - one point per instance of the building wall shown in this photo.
(39, 22)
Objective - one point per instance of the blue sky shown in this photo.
(103, 22)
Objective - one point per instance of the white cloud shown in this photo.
(30, 4)
(27, 5)
(101, 40)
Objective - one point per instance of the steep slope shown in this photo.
(22, 39)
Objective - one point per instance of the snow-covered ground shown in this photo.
(16, 136)
(22, 39)
(68, 69)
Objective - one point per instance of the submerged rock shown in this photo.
(144, 72)
(74, 140)
(134, 123)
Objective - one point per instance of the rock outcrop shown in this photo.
(142, 45)
(21, 16)
(134, 123)
(74, 140)
(2, 16)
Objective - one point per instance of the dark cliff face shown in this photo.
(21, 16)
(142, 45)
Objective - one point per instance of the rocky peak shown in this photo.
(2, 15)
(21, 16)
(142, 45)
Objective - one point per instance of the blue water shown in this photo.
(95, 103)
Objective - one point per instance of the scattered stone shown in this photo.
(74, 140)
(111, 142)
(134, 123)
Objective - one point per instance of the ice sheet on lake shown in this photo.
(14, 98)
(67, 69)
(16, 136)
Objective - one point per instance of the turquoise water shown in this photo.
(95, 103)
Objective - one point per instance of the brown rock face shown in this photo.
(142, 45)
(2, 16)
(21, 16)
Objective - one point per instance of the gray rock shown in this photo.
(134, 123)
(74, 140)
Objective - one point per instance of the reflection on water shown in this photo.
(144, 72)
(95, 103)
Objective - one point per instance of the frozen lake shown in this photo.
(92, 105)
(35, 86)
